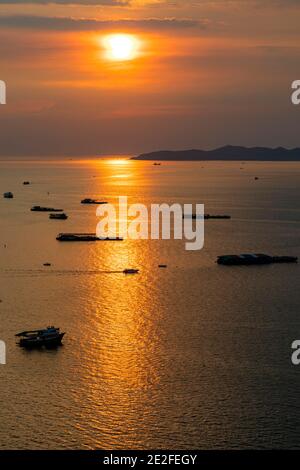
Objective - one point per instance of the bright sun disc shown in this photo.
(121, 46)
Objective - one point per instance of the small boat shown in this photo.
(206, 216)
(84, 237)
(49, 337)
(46, 264)
(62, 216)
(8, 195)
(156, 164)
(162, 266)
(254, 259)
(92, 201)
(45, 209)
(26, 183)
(130, 271)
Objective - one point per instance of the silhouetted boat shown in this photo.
(84, 237)
(206, 216)
(8, 195)
(254, 259)
(26, 183)
(130, 271)
(58, 216)
(45, 209)
(92, 201)
(49, 337)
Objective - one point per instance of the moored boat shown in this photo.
(8, 195)
(48, 337)
(60, 216)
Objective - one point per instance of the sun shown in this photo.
(120, 47)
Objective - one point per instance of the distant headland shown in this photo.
(229, 152)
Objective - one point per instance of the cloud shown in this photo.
(87, 24)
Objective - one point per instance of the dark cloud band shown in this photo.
(82, 24)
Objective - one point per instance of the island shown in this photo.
(229, 152)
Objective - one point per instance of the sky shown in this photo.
(204, 73)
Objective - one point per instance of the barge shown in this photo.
(92, 201)
(254, 259)
(45, 209)
(84, 237)
(206, 216)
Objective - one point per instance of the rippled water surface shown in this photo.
(192, 356)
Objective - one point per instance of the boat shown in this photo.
(26, 183)
(8, 195)
(92, 201)
(45, 209)
(49, 337)
(84, 237)
(62, 216)
(254, 259)
(206, 216)
(130, 271)
(162, 266)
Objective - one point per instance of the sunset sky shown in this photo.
(195, 74)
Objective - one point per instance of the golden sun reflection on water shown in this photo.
(120, 336)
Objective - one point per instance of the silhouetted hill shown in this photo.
(229, 152)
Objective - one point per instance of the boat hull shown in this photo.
(37, 343)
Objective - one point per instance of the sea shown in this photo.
(191, 356)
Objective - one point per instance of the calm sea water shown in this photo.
(192, 356)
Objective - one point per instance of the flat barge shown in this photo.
(254, 259)
(206, 216)
(45, 209)
(84, 237)
(92, 201)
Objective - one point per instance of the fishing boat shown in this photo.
(84, 237)
(254, 259)
(62, 216)
(49, 337)
(92, 201)
(8, 195)
(45, 209)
